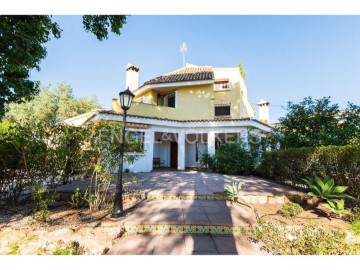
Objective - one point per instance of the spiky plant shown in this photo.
(337, 207)
(324, 190)
(232, 191)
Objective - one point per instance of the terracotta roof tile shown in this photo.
(185, 74)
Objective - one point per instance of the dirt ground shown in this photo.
(316, 216)
(93, 232)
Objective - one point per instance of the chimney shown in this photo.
(264, 111)
(132, 77)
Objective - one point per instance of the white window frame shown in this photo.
(222, 86)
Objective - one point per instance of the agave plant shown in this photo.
(232, 191)
(324, 190)
(336, 206)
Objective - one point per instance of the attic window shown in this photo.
(221, 84)
(222, 110)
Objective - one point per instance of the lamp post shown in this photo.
(126, 98)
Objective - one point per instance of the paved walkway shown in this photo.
(186, 244)
(190, 182)
(184, 215)
(199, 212)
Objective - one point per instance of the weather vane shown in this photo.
(183, 50)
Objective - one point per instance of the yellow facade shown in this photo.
(192, 103)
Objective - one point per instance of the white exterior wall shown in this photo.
(190, 154)
(234, 76)
(162, 151)
(187, 159)
(144, 162)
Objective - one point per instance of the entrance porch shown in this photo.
(180, 151)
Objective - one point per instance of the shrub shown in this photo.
(355, 221)
(309, 239)
(291, 210)
(42, 199)
(336, 207)
(97, 194)
(355, 227)
(77, 199)
(233, 158)
(326, 191)
(22, 160)
(289, 166)
(46, 153)
(72, 248)
(208, 161)
(232, 191)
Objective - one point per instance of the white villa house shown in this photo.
(184, 113)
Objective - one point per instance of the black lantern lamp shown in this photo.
(126, 98)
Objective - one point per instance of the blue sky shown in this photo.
(286, 58)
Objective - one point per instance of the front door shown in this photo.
(173, 154)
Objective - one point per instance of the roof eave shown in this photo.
(143, 88)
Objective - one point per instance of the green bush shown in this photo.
(22, 160)
(208, 161)
(32, 155)
(45, 154)
(291, 210)
(234, 158)
(77, 199)
(289, 166)
(42, 198)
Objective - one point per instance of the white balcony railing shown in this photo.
(222, 86)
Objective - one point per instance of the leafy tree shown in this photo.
(50, 106)
(350, 124)
(22, 40)
(21, 47)
(99, 24)
(318, 123)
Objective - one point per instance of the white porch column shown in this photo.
(149, 149)
(245, 138)
(211, 142)
(181, 151)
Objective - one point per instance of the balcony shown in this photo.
(148, 110)
(222, 86)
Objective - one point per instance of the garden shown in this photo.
(41, 154)
(315, 149)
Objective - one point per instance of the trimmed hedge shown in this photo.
(289, 166)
